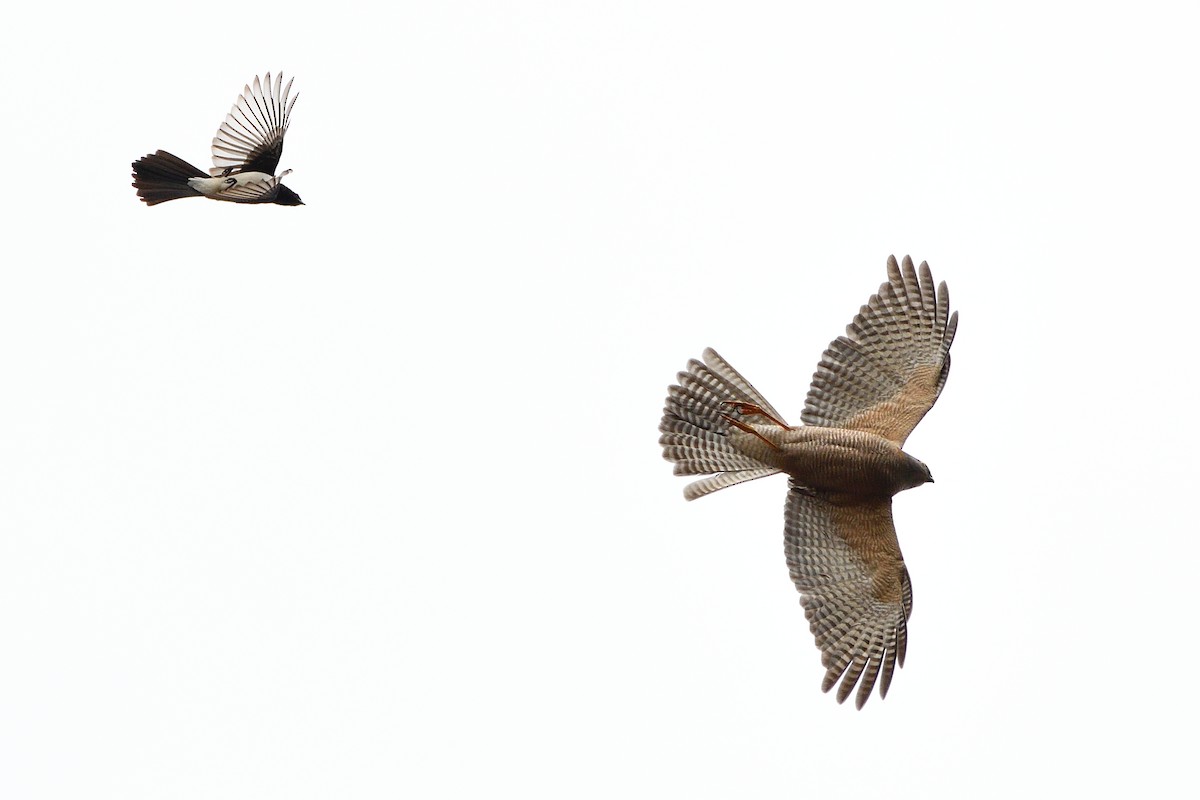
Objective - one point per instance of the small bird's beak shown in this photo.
(931, 478)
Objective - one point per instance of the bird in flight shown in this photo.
(844, 465)
(246, 151)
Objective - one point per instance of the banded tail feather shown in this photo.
(696, 422)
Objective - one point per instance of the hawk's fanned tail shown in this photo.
(695, 425)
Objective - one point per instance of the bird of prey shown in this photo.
(844, 465)
(246, 151)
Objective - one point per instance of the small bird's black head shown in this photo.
(286, 197)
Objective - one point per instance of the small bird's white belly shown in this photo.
(215, 187)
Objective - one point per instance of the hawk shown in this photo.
(844, 465)
(246, 151)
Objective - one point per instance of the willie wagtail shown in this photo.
(245, 151)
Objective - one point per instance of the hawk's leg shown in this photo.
(744, 427)
(750, 410)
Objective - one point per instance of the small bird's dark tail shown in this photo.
(160, 177)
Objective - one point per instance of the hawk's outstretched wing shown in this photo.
(890, 367)
(251, 137)
(854, 587)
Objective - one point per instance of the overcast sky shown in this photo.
(364, 498)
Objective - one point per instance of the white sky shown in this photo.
(364, 499)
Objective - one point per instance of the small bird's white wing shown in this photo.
(251, 137)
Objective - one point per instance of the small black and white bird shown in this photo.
(246, 151)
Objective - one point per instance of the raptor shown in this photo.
(844, 465)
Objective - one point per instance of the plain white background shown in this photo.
(363, 499)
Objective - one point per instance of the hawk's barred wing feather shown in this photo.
(889, 368)
(846, 563)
